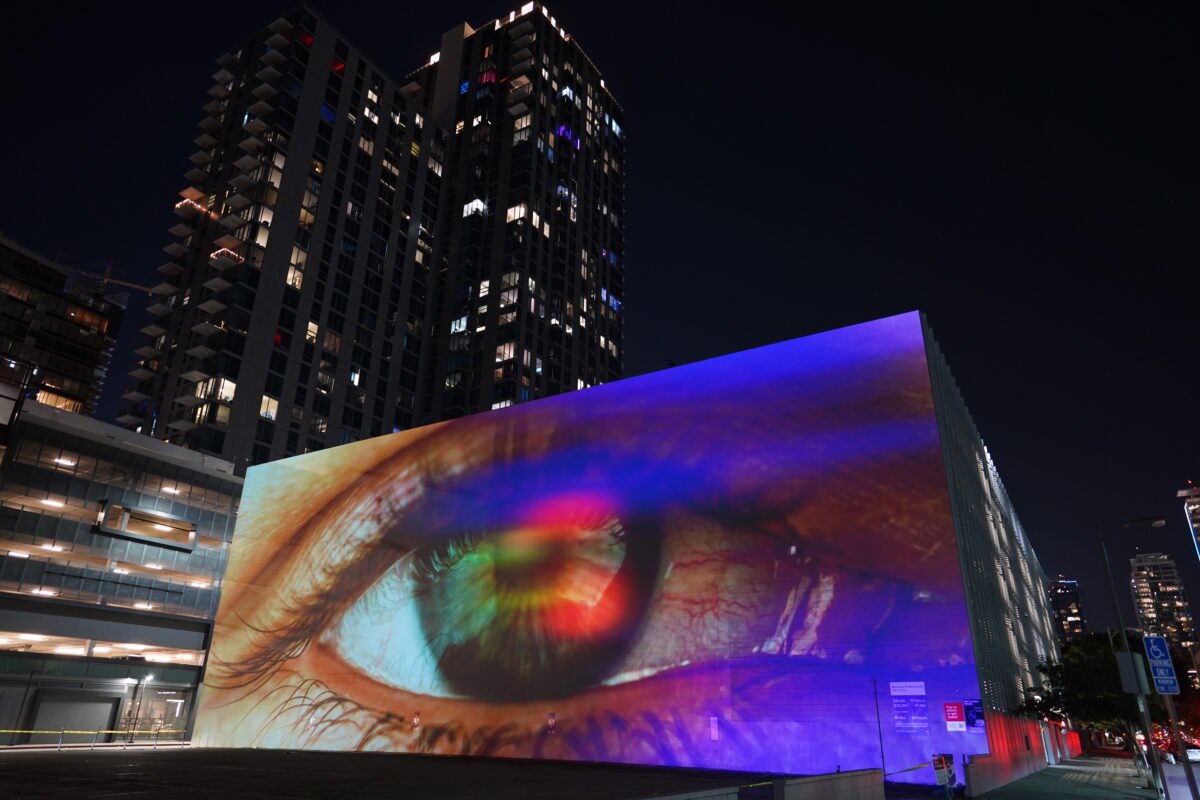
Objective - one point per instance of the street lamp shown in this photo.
(1155, 766)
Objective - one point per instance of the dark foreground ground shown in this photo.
(212, 773)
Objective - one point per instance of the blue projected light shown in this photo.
(743, 563)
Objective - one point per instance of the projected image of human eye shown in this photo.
(717, 566)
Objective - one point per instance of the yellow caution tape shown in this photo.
(909, 769)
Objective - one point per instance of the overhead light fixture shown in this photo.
(54, 503)
(31, 637)
(198, 584)
(170, 491)
(120, 571)
(44, 592)
(66, 462)
(132, 646)
(69, 651)
(154, 566)
(56, 548)
(143, 606)
(158, 527)
(18, 554)
(101, 649)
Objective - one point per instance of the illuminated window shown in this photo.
(333, 342)
(523, 122)
(268, 408)
(366, 145)
(509, 279)
(483, 288)
(295, 277)
(310, 335)
(506, 351)
(355, 377)
(517, 212)
(474, 207)
(459, 325)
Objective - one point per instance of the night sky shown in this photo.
(1028, 178)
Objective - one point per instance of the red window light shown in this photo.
(337, 65)
(305, 39)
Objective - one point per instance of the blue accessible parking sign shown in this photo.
(1161, 668)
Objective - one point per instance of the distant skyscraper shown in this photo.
(1066, 608)
(1159, 599)
(62, 322)
(359, 255)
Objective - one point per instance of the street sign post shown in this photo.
(1161, 667)
(1166, 683)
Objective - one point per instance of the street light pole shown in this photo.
(1156, 767)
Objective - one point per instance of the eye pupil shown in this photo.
(540, 611)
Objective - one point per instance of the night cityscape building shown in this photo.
(1159, 599)
(112, 549)
(359, 255)
(61, 321)
(1191, 509)
(1067, 609)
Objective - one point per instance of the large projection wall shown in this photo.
(746, 563)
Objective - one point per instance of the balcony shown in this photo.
(227, 60)
(205, 328)
(246, 163)
(256, 127)
(196, 175)
(181, 230)
(187, 209)
(135, 396)
(228, 241)
(224, 259)
(194, 376)
(170, 268)
(165, 288)
(205, 141)
(187, 400)
(129, 419)
(232, 222)
(268, 73)
(154, 329)
(242, 182)
(522, 54)
(200, 157)
(214, 108)
(158, 308)
(520, 68)
(140, 373)
(250, 144)
(217, 284)
(212, 305)
(261, 109)
(280, 25)
(200, 351)
(264, 91)
(148, 351)
(191, 193)
(277, 41)
(175, 249)
(210, 124)
(223, 76)
(219, 92)
(273, 58)
(181, 425)
(521, 28)
(238, 201)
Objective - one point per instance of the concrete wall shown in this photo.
(1017, 750)
(862, 784)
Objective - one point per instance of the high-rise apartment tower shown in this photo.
(1159, 599)
(1067, 609)
(359, 255)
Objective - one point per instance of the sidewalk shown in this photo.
(1096, 778)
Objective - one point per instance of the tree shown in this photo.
(1085, 686)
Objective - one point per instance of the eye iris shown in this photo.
(542, 609)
